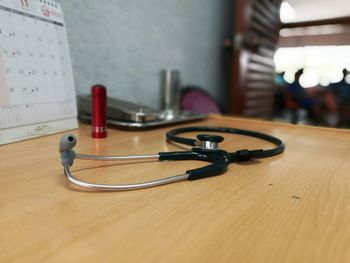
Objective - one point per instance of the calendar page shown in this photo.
(37, 95)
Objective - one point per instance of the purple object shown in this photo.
(198, 101)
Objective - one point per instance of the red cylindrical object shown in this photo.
(98, 111)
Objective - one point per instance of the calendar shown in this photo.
(37, 95)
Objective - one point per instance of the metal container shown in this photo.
(170, 91)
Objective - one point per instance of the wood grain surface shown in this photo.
(294, 207)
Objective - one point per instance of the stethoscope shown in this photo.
(205, 148)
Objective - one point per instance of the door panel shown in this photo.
(256, 30)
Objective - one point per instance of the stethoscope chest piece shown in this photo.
(209, 142)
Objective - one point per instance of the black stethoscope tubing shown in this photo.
(220, 159)
(172, 136)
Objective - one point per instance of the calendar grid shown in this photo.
(36, 79)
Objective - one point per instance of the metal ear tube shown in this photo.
(206, 149)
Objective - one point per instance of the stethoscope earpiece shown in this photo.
(67, 143)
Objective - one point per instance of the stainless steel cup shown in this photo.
(170, 91)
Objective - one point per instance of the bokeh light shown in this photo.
(322, 64)
(287, 12)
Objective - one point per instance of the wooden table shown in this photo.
(294, 207)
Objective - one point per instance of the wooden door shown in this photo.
(256, 31)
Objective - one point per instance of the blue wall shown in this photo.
(123, 44)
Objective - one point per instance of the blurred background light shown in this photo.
(287, 12)
(322, 64)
